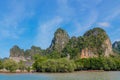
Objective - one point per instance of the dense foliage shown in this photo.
(59, 41)
(64, 54)
(42, 64)
(62, 46)
(21, 65)
(101, 63)
(92, 40)
(1, 64)
(29, 53)
(10, 65)
(72, 48)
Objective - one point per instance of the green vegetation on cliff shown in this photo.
(88, 52)
(16, 51)
(59, 41)
(27, 54)
(72, 48)
(93, 40)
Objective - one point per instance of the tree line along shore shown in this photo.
(43, 64)
(92, 51)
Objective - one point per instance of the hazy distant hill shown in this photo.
(116, 46)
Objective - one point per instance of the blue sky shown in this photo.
(33, 22)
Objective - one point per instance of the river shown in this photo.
(84, 75)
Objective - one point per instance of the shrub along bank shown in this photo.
(43, 64)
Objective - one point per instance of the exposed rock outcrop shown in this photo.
(16, 51)
(93, 43)
(29, 53)
(18, 59)
(116, 47)
(86, 53)
(59, 41)
(108, 47)
(98, 44)
(18, 54)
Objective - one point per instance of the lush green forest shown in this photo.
(12, 66)
(44, 64)
(92, 51)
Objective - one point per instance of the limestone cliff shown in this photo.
(98, 44)
(108, 47)
(29, 53)
(59, 41)
(18, 54)
(93, 43)
(16, 51)
(86, 53)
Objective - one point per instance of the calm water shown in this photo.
(63, 76)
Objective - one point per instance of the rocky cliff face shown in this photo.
(29, 53)
(16, 51)
(86, 53)
(59, 41)
(18, 54)
(98, 44)
(108, 47)
(93, 43)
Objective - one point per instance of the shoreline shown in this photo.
(53, 72)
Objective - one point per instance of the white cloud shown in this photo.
(46, 30)
(104, 24)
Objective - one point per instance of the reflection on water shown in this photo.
(63, 76)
